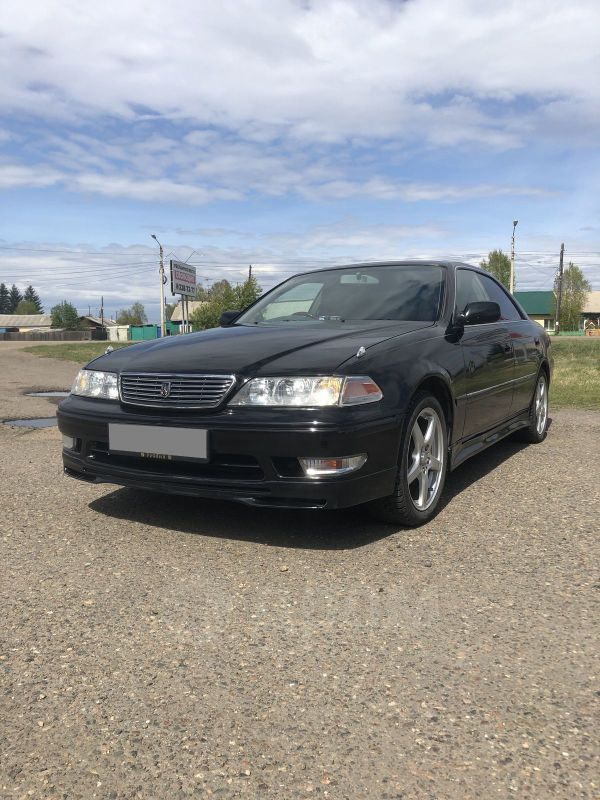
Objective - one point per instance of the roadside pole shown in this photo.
(162, 294)
(559, 289)
(512, 258)
(163, 280)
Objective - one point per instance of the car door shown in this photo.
(526, 342)
(489, 360)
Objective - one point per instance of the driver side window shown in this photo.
(469, 289)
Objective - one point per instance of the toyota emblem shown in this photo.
(165, 388)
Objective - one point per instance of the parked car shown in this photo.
(357, 384)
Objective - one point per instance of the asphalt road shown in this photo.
(162, 648)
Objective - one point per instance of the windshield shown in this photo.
(367, 293)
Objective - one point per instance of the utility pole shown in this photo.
(512, 258)
(102, 311)
(249, 271)
(559, 289)
(163, 280)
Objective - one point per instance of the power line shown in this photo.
(82, 264)
(90, 270)
(72, 252)
(32, 275)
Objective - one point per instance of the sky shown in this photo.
(292, 134)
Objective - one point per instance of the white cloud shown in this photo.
(322, 71)
(192, 102)
(235, 176)
(14, 176)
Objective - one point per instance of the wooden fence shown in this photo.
(55, 336)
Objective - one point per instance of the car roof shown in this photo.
(415, 262)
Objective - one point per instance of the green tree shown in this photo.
(32, 296)
(221, 291)
(26, 307)
(575, 289)
(247, 293)
(222, 296)
(208, 315)
(64, 315)
(4, 299)
(498, 263)
(136, 315)
(14, 299)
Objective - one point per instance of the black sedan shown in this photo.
(358, 384)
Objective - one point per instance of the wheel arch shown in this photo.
(438, 386)
(545, 367)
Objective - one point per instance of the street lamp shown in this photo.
(163, 280)
(512, 258)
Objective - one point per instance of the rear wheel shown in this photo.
(422, 466)
(536, 431)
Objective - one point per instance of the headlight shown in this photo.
(308, 392)
(93, 383)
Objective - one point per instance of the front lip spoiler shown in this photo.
(209, 492)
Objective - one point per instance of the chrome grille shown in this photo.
(167, 390)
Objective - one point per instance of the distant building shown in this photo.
(193, 305)
(118, 333)
(96, 323)
(24, 323)
(591, 311)
(539, 306)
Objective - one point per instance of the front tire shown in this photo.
(422, 466)
(537, 429)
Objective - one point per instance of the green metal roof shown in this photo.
(537, 302)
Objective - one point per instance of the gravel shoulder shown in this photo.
(155, 647)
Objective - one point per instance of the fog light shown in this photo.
(68, 442)
(316, 467)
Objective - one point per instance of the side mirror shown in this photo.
(227, 317)
(480, 313)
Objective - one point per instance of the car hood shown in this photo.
(254, 349)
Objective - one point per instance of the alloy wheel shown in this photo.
(425, 459)
(541, 405)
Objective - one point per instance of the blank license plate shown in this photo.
(150, 441)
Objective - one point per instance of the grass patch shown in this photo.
(576, 377)
(79, 352)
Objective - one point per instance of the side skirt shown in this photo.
(466, 448)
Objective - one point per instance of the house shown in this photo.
(539, 306)
(96, 323)
(193, 305)
(590, 316)
(24, 323)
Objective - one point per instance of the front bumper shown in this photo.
(252, 454)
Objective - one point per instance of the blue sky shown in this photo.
(291, 134)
